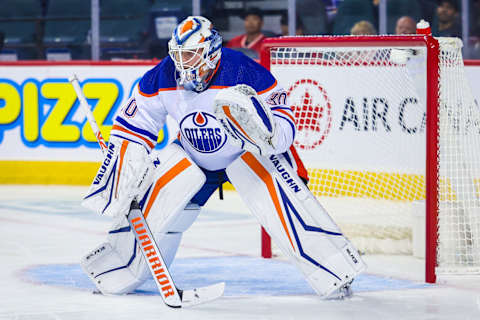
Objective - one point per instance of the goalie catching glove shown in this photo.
(126, 172)
(246, 119)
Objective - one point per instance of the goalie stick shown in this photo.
(171, 295)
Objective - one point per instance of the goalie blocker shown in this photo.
(296, 221)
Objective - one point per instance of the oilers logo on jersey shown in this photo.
(202, 131)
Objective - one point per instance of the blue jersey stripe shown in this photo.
(145, 133)
(282, 108)
(125, 138)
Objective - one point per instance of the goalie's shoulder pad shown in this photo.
(125, 172)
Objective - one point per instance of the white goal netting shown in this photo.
(361, 118)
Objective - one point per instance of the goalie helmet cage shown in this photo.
(442, 68)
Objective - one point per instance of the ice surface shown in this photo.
(44, 232)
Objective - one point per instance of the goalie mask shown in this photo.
(195, 48)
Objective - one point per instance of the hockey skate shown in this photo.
(343, 292)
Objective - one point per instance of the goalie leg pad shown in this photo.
(177, 180)
(117, 267)
(296, 221)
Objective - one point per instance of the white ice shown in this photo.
(44, 232)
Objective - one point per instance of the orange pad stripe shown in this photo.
(263, 174)
(166, 178)
(123, 148)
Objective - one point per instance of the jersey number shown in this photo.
(131, 108)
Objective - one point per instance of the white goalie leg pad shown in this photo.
(169, 241)
(296, 221)
(177, 180)
(117, 267)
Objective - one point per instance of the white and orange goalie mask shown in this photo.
(195, 48)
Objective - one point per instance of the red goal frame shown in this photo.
(432, 128)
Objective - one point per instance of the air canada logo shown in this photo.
(312, 110)
(202, 131)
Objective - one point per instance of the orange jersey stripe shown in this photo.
(123, 148)
(155, 93)
(218, 87)
(166, 178)
(167, 89)
(269, 88)
(263, 174)
(148, 94)
(148, 142)
(286, 114)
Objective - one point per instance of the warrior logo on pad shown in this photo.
(202, 131)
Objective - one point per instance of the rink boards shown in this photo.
(44, 138)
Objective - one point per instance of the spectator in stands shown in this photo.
(313, 15)
(428, 10)
(405, 25)
(363, 28)
(252, 39)
(475, 19)
(284, 26)
(475, 30)
(350, 11)
(2, 39)
(448, 19)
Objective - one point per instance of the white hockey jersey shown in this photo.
(201, 135)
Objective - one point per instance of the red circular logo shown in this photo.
(312, 110)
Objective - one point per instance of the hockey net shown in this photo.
(390, 133)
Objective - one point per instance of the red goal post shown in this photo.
(293, 51)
